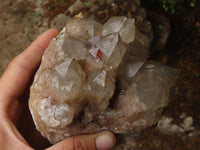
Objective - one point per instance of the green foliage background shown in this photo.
(173, 6)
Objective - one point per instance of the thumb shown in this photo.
(101, 141)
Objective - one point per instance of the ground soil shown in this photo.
(182, 51)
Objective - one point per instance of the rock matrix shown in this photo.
(95, 77)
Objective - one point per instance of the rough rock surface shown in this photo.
(95, 77)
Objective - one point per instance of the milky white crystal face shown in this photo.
(108, 44)
(55, 115)
(75, 48)
(127, 33)
(64, 82)
(113, 25)
(73, 90)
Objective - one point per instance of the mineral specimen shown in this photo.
(95, 77)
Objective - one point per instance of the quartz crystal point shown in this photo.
(74, 90)
(142, 97)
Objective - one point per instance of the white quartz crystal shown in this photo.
(108, 44)
(114, 24)
(55, 114)
(95, 77)
(127, 33)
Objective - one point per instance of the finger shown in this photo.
(10, 138)
(19, 71)
(100, 141)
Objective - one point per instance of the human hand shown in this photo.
(12, 84)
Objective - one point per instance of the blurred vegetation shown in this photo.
(174, 6)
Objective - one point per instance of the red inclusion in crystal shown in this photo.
(99, 54)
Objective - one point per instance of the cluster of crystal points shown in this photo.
(95, 77)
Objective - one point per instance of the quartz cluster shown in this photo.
(95, 77)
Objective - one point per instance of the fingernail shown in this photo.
(105, 141)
